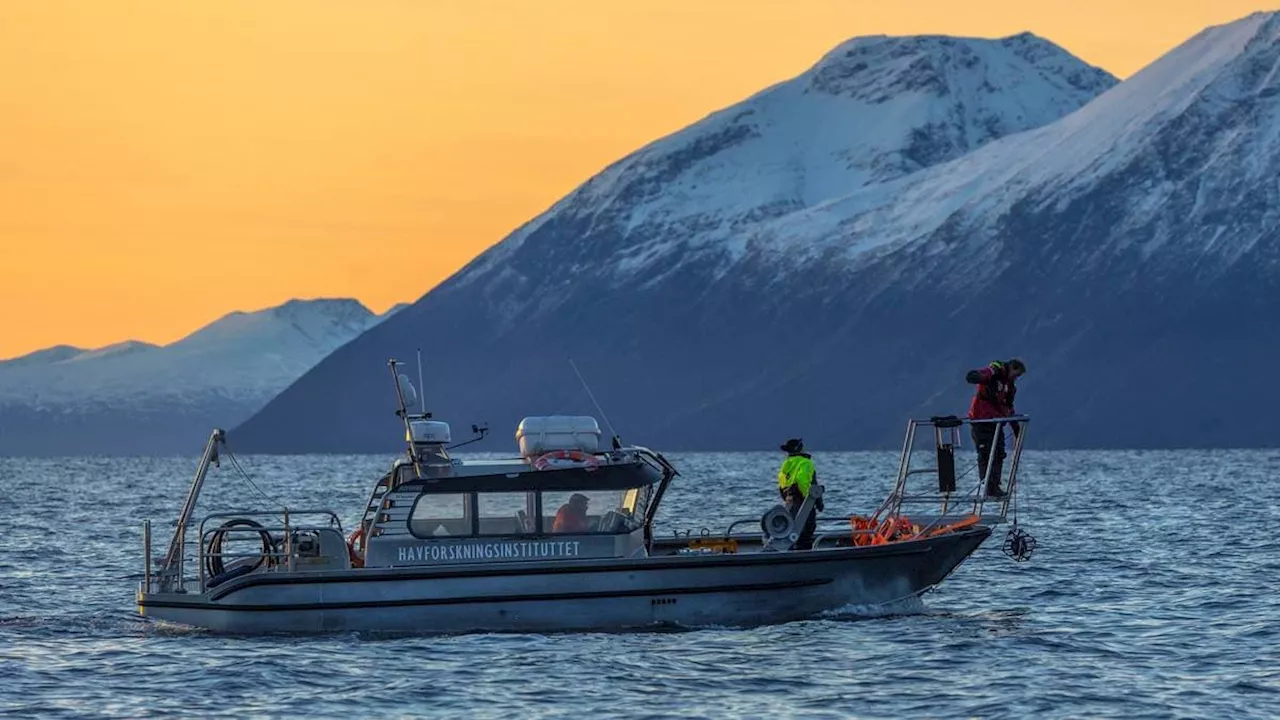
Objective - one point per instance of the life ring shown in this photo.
(357, 557)
(543, 461)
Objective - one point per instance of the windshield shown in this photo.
(594, 511)
(444, 515)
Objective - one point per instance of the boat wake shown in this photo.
(99, 624)
(911, 605)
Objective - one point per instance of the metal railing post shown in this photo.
(288, 542)
(891, 504)
(181, 584)
(146, 556)
(1013, 466)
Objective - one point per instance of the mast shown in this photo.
(171, 571)
(403, 413)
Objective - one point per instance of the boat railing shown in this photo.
(842, 522)
(278, 552)
(951, 494)
(377, 498)
(278, 535)
(953, 501)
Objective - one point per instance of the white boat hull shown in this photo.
(609, 594)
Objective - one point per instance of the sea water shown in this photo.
(1152, 593)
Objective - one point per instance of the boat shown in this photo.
(447, 545)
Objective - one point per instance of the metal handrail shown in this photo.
(729, 530)
(818, 538)
(287, 528)
(981, 421)
(892, 504)
(146, 556)
(287, 531)
(333, 517)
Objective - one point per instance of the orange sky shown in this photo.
(163, 162)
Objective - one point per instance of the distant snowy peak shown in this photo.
(946, 96)
(62, 354)
(878, 68)
(120, 349)
(319, 319)
(871, 111)
(934, 97)
(54, 354)
(1181, 156)
(343, 310)
(244, 356)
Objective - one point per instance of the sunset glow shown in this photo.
(163, 163)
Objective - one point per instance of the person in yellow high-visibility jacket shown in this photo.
(795, 477)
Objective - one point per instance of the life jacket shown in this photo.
(994, 396)
(796, 470)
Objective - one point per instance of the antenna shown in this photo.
(422, 392)
(403, 413)
(617, 442)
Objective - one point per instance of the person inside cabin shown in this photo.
(795, 477)
(572, 516)
(997, 384)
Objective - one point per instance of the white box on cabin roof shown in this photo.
(539, 435)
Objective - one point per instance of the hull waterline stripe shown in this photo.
(438, 572)
(485, 599)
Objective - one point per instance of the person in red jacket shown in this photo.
(572, 516)
(997, 385)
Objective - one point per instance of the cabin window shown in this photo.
(439, 515)
(604, 511)
(509, 513)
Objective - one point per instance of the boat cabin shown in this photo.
(563, 498)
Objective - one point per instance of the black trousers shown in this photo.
(984, 436)
(805, 540)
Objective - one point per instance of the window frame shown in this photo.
(469, 514)
(542, 524)
(475, 502)
(546, 531)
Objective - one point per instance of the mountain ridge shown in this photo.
(631, 233)
(137, 398)
(652, 273)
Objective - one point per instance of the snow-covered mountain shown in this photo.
(720, 287)
(134, 397)
(872, 110)
(1202, 120)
